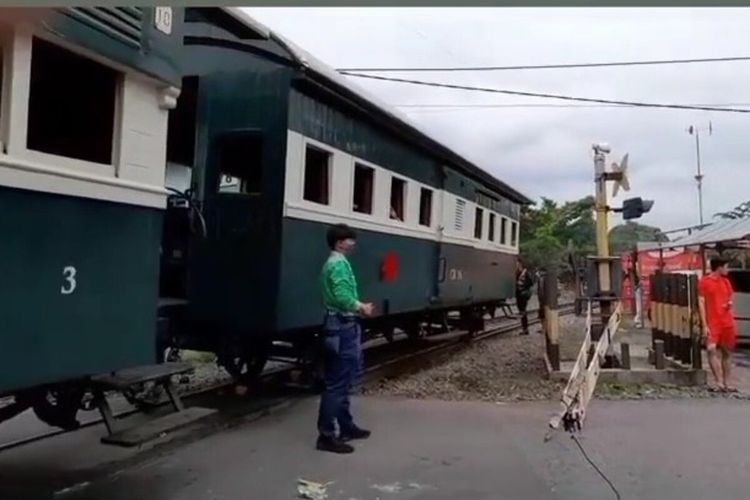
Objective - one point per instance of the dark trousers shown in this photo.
(343, 364)
(522, 302)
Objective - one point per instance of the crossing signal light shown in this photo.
(634, 208)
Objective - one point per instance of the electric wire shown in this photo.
(549, 66)
(596, 468)
(547, 95)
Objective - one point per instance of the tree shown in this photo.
(740, 211)
(624, 237)
(550, 232)
(547, 229)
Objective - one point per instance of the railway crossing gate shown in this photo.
(602, 301)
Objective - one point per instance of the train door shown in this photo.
(453, 286)
(235, 270)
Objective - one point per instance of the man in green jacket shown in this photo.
(342, 343)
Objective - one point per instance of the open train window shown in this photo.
(364, 180)
(240, 157)
(513, 234)
(478, 219)
(72, 103)
(317, 175)
(182, 124)
(491, 232)
(425, 207)
(503, 231)
(398, 198)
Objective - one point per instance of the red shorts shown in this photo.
(725, 336)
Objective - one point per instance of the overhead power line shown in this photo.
(439, 107)
(549, 96)
(554, 66)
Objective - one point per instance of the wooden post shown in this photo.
(551, 317)
(685, 318)
(677, 314)
(695, 325)
(625, 355)
(659, 355)
(667, 311)
(655, 298)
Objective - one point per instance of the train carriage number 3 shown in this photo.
(69, 275)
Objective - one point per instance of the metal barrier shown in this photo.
(675, 327)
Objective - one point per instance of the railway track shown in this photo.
(378, 365)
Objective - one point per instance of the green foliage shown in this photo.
(548, 230)
(624, 237)
(551, 231)
(740, 211)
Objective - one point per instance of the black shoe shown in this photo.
(355, 433)
(333, 445)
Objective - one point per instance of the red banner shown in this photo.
(648, 264)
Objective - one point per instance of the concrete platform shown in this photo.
(641, 370)
(441, 450)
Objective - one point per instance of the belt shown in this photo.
(331, 312)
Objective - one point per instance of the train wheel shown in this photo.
(171, 354)
(415, 331)
(310, 361)
(58, 406)
(388, 333)
(247, 364)
(146, 397)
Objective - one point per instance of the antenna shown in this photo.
(620, 176)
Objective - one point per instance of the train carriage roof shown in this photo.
(321, 71)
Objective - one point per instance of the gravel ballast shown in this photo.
(511, 368)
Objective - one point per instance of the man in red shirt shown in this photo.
(719, 327)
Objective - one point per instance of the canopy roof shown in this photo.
(726, 231)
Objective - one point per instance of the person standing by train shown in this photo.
(720, 330)
(342, 350)
(524, 284)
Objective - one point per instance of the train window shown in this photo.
(740, 279)
(425, 207)
(491, 233)
(478, 219)
(182, 124)
(2, 94)
(72, 103)
(513, 234)
(398, 198)
(240, 157)
(317, 175)
(503, 231)
(364, 180)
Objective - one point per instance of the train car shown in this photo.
(268, 147)
(740, 279)
(84, 100)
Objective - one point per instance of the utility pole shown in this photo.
(602, 211)
(602, 290)
(604, 293)
(695, 131)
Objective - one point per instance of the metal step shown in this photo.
(123, 379)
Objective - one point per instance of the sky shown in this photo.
(546, 151)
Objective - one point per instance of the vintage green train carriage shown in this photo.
(271, 146)
(84, 105)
